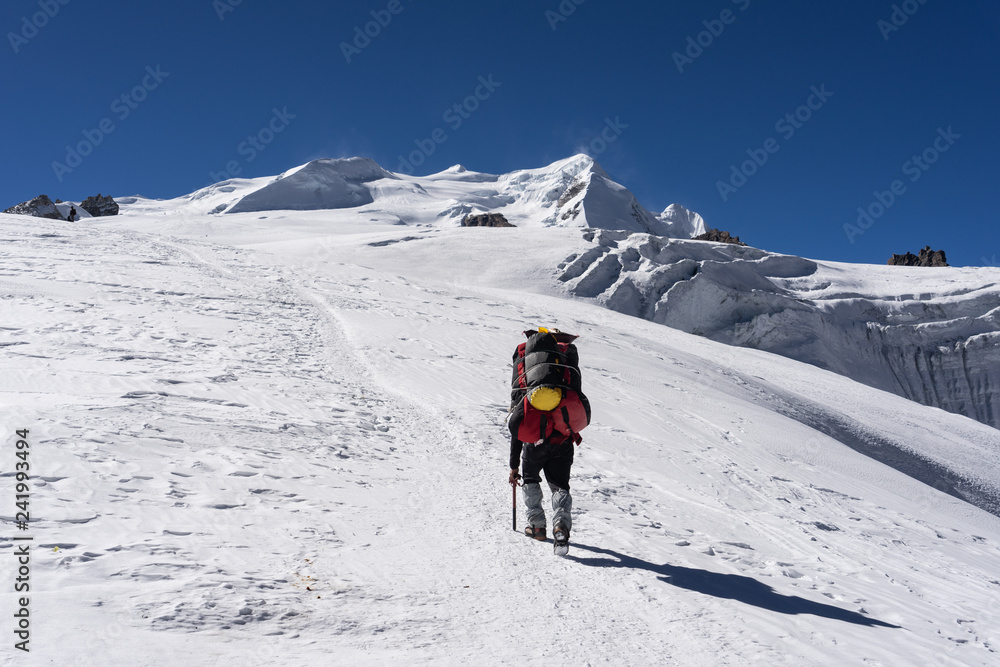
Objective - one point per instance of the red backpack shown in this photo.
(546, 400)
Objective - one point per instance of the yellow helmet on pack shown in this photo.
(545, 399)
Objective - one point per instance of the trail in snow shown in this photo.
(296, 453)
(929, 335)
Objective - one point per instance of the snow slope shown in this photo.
(278, 439)
(65, 207)
(932, 336)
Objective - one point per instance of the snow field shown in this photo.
(283, 443)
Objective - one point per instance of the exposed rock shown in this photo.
(40, 207)
(100, 206)
(719, 237)
(927, 257)
(572, 191)
(486, 220)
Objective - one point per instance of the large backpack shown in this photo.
(546, 399)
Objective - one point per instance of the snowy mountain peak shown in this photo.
(572, 192)
(359, 169)
(576, 165)
(320, 184)
(683, 222)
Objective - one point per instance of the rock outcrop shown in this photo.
(719, 237)
(927, 257)
(40, 207)
(100, 206)
(486, 220)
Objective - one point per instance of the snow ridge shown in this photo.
(320, 184)
(574, 192)
(898, 331)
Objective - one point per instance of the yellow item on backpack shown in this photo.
(545, 399)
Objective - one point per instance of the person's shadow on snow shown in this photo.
(730, 586)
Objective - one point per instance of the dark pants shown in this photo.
(555, 461)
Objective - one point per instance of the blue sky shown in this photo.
(199, 77)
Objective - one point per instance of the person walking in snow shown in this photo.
(72, 214)
(548, 411)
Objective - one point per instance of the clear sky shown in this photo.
(165, 97)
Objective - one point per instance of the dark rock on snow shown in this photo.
(719, 237)
(100, 206)
(927, 257)
(40, 207)
(486, 220)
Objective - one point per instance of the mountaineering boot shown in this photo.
(560, 540)
(537, 533)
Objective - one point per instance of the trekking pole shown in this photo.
(513, 497)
